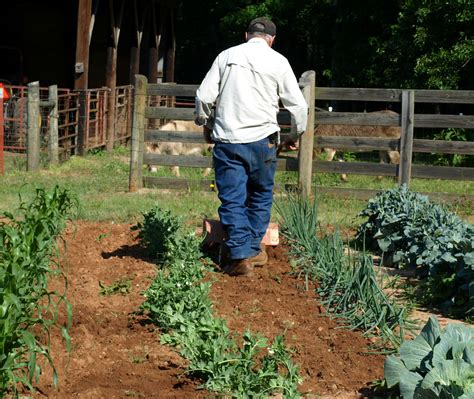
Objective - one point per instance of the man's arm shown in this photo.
(293, 100)
(206, 96)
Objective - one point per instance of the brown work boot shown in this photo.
(239, 267)
(261, 258)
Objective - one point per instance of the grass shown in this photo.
(100, 182)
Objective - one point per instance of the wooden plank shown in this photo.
(191, 161)
(444, 147)
(185, 114)
(138, 124)
(444, 121)
(394, 95)
(178, 183)
(33, 140)
(306, 141)
(357, 143)
(196, 161)
(445, 96)
(383, 144)
(357, 94)
(174, 136)
(443, 172)
(367, 193)
(406, 140)
(167, 89)
(357, 118)
(356, 168)
(343, 93)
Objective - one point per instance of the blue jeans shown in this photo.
(244, 178)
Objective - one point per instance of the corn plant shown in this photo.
(347, 284)
(27, 261)
(178, 302)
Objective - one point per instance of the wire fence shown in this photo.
(14, 117)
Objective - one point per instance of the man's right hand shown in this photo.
(287, 145)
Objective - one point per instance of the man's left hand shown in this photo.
(207, 134)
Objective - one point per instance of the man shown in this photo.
(245, 83)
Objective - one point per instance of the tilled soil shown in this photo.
(116, 354)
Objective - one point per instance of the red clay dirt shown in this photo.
(116, 354)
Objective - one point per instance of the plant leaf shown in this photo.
(408, 384)
(393, 370)
(413, 353)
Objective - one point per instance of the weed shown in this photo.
(101, 236)
(121, 286)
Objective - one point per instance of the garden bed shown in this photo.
(116, 354)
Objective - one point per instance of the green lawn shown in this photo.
(100, 182)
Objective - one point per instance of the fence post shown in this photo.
(82, 124)
(138, 127)
(33, 141)
(53, 141)
(306, 142)
(406, 139)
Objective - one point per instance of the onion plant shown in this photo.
(347, 283)
(28, 309)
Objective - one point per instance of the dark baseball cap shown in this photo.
(263, 25)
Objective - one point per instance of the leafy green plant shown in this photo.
(156, 231)
(408, 230)
(451, 134)
(435, 364)
(178, 302)
(28, 308)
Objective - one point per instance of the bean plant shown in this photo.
(28, 310)
(178, 302)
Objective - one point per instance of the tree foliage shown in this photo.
(402, 43)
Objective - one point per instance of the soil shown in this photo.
(117, 354)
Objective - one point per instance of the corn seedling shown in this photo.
(27, 261)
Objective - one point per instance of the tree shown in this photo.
(432, 45)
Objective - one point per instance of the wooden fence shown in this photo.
(305, 164)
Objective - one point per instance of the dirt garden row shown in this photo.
(116, 353)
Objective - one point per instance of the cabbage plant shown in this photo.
(435, 365)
